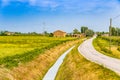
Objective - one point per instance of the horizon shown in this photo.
(50, 15)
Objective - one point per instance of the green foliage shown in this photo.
(89, 32)
(36, 44)
(102, 44)
(114, 40)
(118, 48)
(115, 31)
(102, 47)
(83, 29)
(76, 31)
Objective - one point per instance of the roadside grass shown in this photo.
(76, 67)
(102, 46)
(37, 68)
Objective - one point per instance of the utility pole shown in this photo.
(110, 33)
(44, 25)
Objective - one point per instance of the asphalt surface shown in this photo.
(51, 74)
(88, 51)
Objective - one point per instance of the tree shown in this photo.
(113, 31)
(89, 32)
(76, 31)
(83, 29)
(51, 35)
(3, 33)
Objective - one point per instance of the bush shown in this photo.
(118, 48)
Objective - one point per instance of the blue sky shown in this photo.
(51, 15)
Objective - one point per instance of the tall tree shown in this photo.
(83, 29)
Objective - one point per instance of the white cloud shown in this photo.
(32, 2)
(5, 2)
(46, 4)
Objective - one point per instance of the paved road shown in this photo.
(88, 51)
(50, 75)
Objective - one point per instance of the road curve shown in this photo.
(88, 51)
(50, 75)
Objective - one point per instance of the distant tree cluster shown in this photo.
(87, 31)
(115, 31)
(8, 33)
(76, 31)
(84, 30)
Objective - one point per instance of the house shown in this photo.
(9, 33)
(105, 34)
(76, 35)
(79, 35)
(59, 33)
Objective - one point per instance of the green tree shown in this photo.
(113, 31)
(83, 29)
(76, 31)
(89, 32)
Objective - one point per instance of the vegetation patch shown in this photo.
(37, 68)
(101, 44)
(22, 49)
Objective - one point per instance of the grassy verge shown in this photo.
(36, 69)
(102, 46)
(76, 67)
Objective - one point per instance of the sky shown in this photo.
(51, 15)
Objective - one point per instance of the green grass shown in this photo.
(76, 67)
(20, 49)
(101, 44)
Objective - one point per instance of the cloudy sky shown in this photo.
(51, 15)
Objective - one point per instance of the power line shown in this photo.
(116, 16)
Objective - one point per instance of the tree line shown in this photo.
(84, 30)
(115, 31)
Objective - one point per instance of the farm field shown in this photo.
(19, 49)
(34, 68)
(102, 44)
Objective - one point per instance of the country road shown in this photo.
(87, 50)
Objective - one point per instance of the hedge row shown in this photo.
(104, 49)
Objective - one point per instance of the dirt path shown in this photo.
(50, 75)
(88, 51)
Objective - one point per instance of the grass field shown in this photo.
(19, 49)
(76, 67)
(37, 67)
(102, 45)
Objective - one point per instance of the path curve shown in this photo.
(50, 75)
(89, 52)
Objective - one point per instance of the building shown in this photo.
(59, 33)
(79, 35)
(9, 33)
(76, 35)
(106, 35)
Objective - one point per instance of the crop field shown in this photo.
(102, 44)
(19, 49)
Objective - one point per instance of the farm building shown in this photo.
(59, 33)
(9, 33)
(105, 34)
(78, 35)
